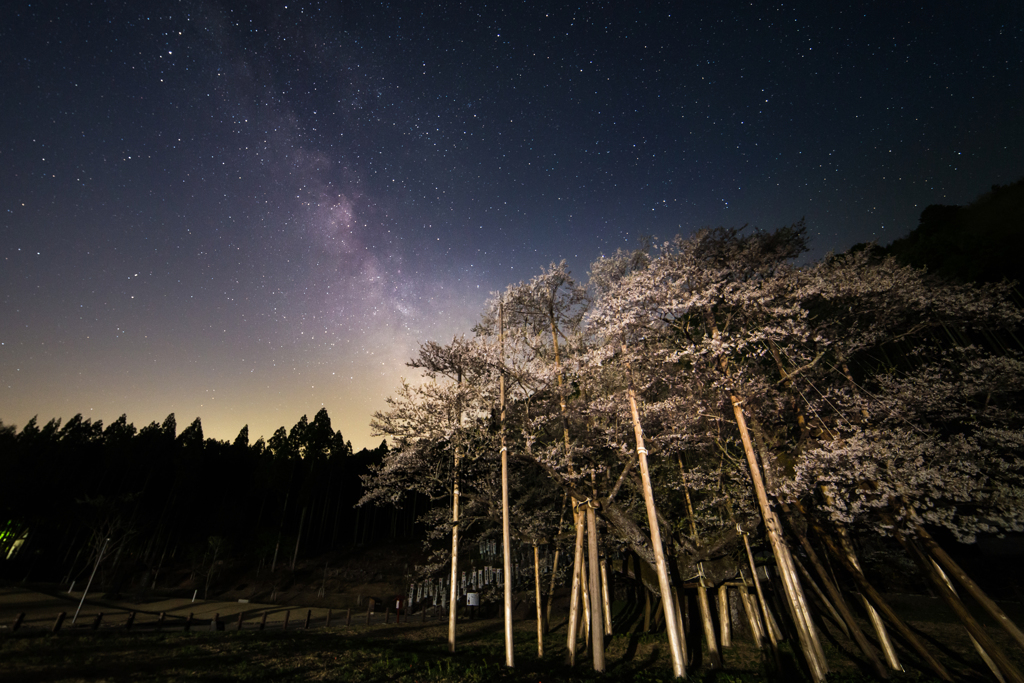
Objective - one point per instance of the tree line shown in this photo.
(168, 498)
(709, 394)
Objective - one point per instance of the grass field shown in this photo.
(413, 651)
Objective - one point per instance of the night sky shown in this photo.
(247, 211)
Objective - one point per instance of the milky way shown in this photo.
(247, 211)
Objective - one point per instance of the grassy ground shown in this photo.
(414, 651)
(409, 652)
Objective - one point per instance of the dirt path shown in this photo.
(42, 608)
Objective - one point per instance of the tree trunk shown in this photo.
(702, 596)
(99, 558)
(280, 529)
(647, 610)
(551, 590)
(554, 567)
(574, 595)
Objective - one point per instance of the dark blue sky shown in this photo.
(247, 211)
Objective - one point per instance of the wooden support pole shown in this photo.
(879, 602)
(714, 657)
(606, 600)
(97, 621)
(983, 640)
(596, 613)
(453, 601)
(724, 616)
(585, 594)
(773, 637)
(888, 649)
(936, 551)
(506, 534)
(59, 622)
(263, 621)
(238, 626)
(17, 622)
(852, 629)
(750, 609)
(806, 631)
(679, 623)
(287, 615)
(309, 617)
(989, 662)
(664, 584)
(833, 612)
(540, 609)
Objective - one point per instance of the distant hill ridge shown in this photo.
(980, 242)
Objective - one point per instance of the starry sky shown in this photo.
(248, 211)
